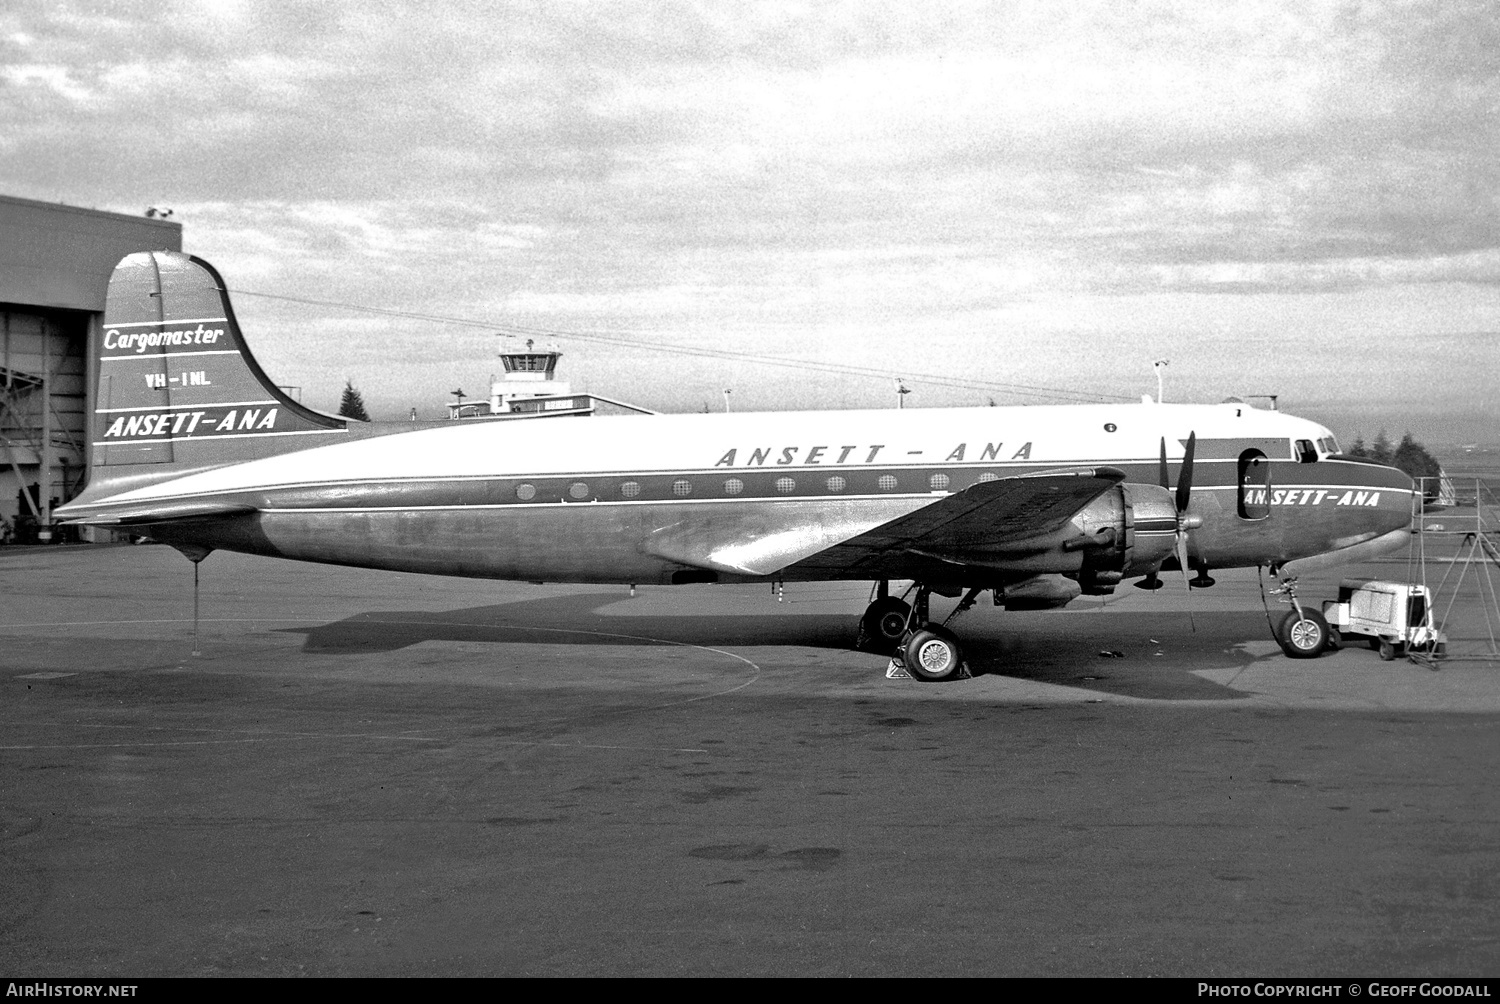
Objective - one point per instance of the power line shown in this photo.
(933, 379)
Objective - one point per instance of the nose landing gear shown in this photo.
(1303, 633)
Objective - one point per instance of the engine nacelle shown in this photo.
(1129, 530)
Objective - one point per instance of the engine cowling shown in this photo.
(1128, 531)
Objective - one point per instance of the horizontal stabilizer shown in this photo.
(142, 514)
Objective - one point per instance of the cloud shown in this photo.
(852, 171)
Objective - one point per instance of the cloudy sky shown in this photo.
(1029, 202)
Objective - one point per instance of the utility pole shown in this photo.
(1159, 365)
(726, 400)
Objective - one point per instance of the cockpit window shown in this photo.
(1328, 444)
(1307, 453)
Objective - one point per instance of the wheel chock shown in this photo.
(897, 671)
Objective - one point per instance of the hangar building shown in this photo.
(55, 263)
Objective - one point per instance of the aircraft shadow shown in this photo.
(570, 620)
(1152, 655)
(1146, 654)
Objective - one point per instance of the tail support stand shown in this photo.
(196, 556)
(196, 650)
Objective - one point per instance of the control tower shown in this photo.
(529, 388)
(530, 372)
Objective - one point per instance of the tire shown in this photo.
(1387, 651)
(883, 625)
(1335, 640)
(1303, 637)
(933, 655)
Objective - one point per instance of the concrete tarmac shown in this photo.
(368, 773)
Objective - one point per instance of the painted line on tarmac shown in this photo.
(610, 634)
(263, 737)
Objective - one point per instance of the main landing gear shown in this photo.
(927, 651)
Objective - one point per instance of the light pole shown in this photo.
(726, 400)
(901, 391)
(1159, 365)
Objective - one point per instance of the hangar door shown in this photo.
(43, 399)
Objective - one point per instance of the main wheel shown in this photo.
(932, 654)
(882, 625)
(1303, 636)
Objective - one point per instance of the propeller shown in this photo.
(1185, 522)
(1184, 496)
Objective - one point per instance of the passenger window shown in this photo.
(1307, 453)
(1254, 485)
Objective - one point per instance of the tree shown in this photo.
(1412, 457)
(1381, 451)
(352, 405)
(1359, 449)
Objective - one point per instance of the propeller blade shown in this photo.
(1184, 496)
(1182, 559)
(1185, 478)
(1165, 480)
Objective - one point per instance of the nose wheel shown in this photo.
(1303, 633)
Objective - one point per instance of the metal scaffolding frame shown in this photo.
(1476, 552)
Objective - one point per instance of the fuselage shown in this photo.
(613, 499)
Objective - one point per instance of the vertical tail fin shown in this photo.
(178, 388)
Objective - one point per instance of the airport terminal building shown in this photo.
(55, 263)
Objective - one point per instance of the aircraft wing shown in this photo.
(841, 536)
